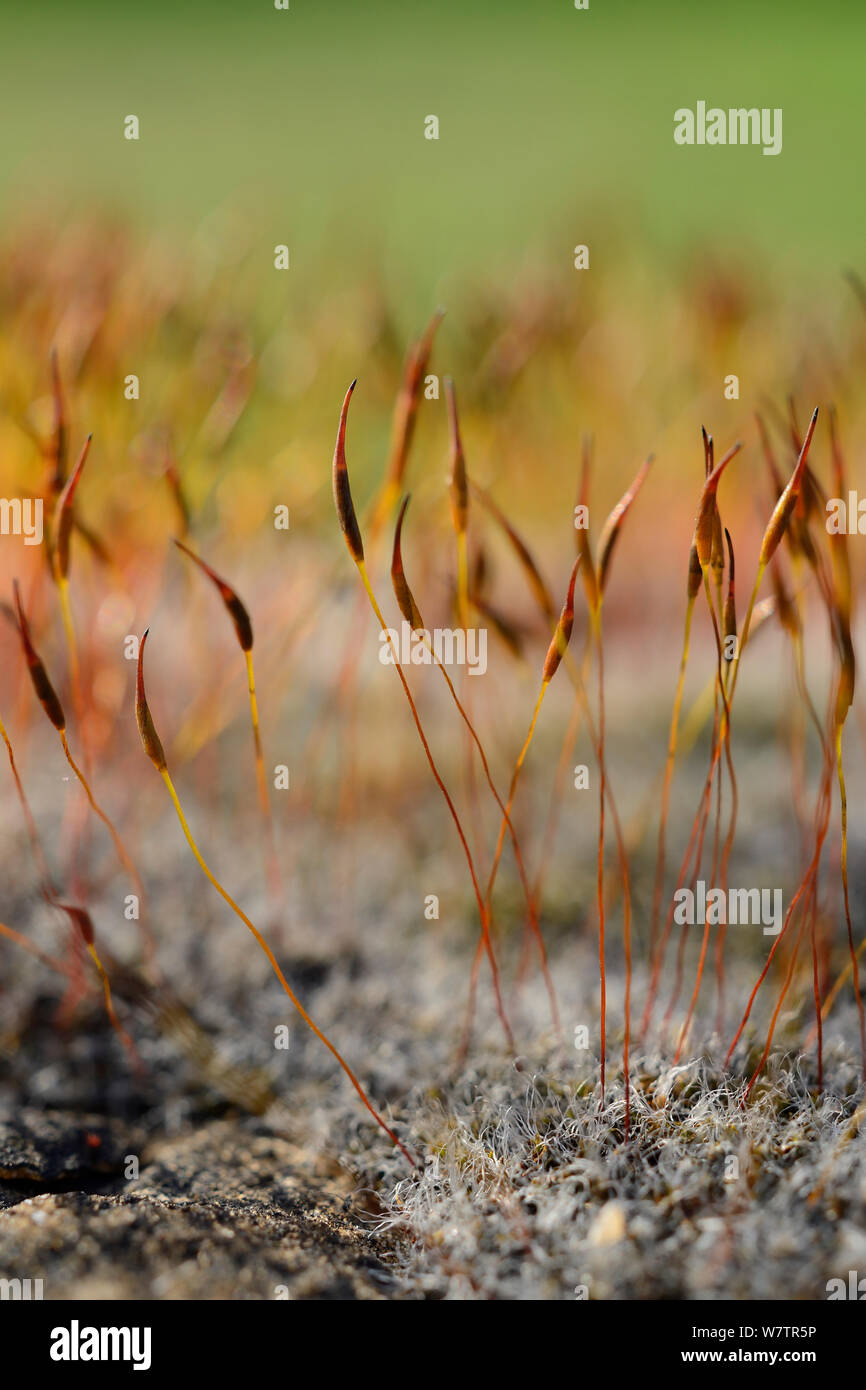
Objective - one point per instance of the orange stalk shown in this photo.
(351, 532)
(243, 627)
(154, 750)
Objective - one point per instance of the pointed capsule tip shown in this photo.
(342, 489)
(147, 731)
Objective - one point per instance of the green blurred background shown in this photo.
(556, 127)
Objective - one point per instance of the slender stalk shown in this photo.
(32, 832)
(725, 736)
(698, 825)
(110, 1010)
(600, 857)
(569, 743)
(512, 788)
(53, 962)
(486, 942)
(805, 883)
(816, 989)
(666, 788)
(271, 861)
(780, 1001)
(274, 964)
(351, 531)
(122, 854)
(244, 632)
(854, 966)
(50, 894)
(515, 844)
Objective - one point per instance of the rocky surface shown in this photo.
(221, 1213)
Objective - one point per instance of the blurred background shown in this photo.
(553, 120)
